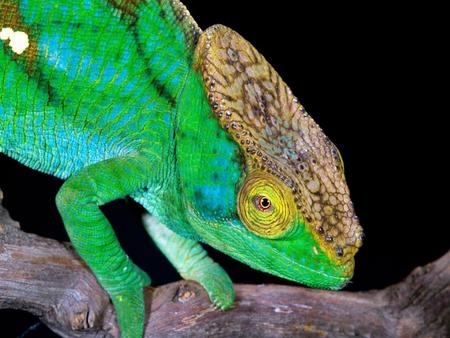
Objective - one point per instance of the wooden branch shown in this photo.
(48, 279)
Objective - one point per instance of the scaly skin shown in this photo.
(132, 98)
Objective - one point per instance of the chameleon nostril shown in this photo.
(339, 251)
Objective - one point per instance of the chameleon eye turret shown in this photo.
(265, 206)
(283, 148)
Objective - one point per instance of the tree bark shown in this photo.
(48, 279)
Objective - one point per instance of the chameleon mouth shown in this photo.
(348, 268)
(332, 281)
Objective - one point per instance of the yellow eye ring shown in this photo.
(266, 206)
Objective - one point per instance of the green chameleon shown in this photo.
(131, 97)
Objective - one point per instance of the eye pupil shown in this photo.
(263, 203)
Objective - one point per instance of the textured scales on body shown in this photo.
(126, 97)
(93, 68)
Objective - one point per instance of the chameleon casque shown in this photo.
(131, 97)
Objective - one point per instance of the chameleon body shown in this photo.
(132, 98)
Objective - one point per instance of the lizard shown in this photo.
(132, 98)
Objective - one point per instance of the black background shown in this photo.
(372, 76)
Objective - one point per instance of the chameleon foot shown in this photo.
(214, 280)
(193, 263)
(129, 306)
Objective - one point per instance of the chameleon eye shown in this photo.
(263, 203)
(266, 206)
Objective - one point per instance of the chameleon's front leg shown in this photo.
(94, 239)
(192, 262)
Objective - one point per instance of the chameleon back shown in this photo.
(90, 85)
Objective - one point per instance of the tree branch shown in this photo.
(48, 279)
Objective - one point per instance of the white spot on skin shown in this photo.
(18, 41)
(315, 250)
(6, 33)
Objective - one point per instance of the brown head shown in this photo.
(279, 138)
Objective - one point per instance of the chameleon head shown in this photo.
(294, 217)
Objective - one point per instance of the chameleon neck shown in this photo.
(206, 166)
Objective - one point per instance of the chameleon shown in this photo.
(132, 98)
